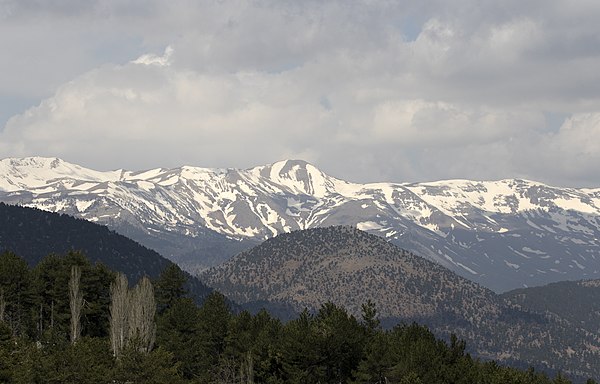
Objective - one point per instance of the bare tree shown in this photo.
(75, 302)
(249, 368)
(226, 372)
(132, 313)
(119, 301)
(232, 371)
(2, 305)
(142, 310)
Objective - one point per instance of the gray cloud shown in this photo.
(367, 90)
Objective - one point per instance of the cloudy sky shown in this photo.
(365, 90)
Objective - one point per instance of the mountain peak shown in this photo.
(32, 162)
(36, 171)
(292, 162)
(298, 176)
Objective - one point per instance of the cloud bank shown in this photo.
(366, 90)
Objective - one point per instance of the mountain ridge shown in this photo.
(503, 234)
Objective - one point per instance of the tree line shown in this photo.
(68, 321)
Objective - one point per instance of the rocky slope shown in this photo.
(304, 269)
(503, 234)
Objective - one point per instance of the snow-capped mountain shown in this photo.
(503, 234)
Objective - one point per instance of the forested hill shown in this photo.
(576, 301)
(350, 267)
(33, 234)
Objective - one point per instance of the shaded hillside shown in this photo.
(33, 234)
(350, 267)
(575, 301)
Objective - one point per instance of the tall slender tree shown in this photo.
(119, 297)
(2, 305)
(142, 310)
(132, 315)
(75, 302)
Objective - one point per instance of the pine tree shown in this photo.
(178, 332)
(377, 361)
(170, 287)
(16, 293)
(214, 317)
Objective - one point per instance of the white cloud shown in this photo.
(152, 59)
(573, 152)
(367, 90)
(440, 124)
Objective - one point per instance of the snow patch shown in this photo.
(369, 226)
(514, 266)
(82, 206)
(530, 250)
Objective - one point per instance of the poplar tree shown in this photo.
(2, 305)
(142, 309)
(132, 313)
(75, 302)
(119, 300)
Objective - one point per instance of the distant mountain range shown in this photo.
(305, 269)
(553, 327)
(502, 234)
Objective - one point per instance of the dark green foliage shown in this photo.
(96, 293)
(7, 355)
(88, 361)
(339, 340)
(51, 279)
(377, 360)
(213, 323)
(170, 287)
(210, 344)
(156, 367)
(576, 301)
(16, 293)
(370, 320)
(178, 332)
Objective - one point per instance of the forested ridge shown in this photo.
(576, 301)
(33, 233)
(180, 342)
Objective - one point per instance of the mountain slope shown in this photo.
(503, 234)
(347, 266)
(576, 301)
(33, 234)
(307, 268)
